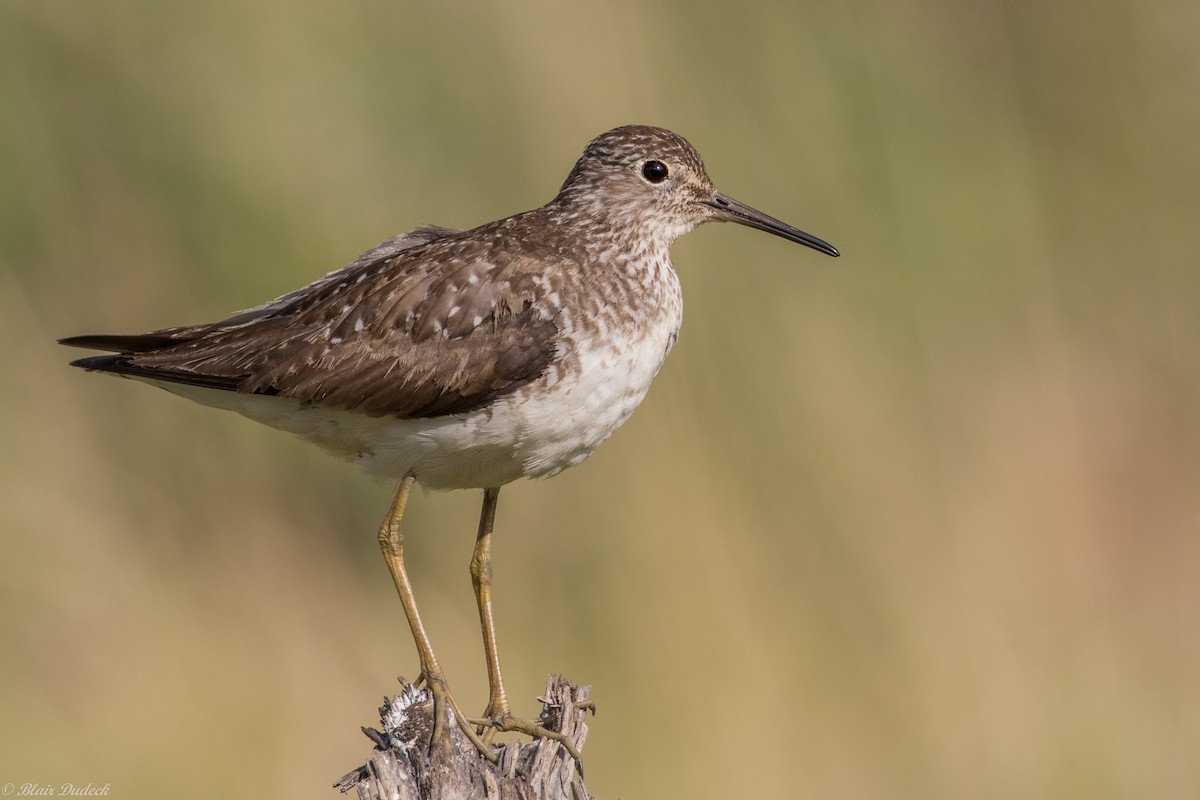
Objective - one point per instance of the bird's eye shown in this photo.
(654, 171)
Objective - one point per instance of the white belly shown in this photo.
(540, 430)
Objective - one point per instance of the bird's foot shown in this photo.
(493, 722)
(443, 703)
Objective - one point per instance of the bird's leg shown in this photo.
(498, 716)
(481, 579)
(391, 542)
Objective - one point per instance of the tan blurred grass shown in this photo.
(920, 523)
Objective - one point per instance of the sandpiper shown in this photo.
(468, 359)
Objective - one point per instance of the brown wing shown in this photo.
(440, 328)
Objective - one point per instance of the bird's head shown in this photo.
(652, 183)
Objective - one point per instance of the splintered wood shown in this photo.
(403, 765)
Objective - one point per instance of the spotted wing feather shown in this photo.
(422, 328)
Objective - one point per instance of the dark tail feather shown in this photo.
(124, 365)
(136, 343)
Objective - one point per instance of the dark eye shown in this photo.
(654, 171)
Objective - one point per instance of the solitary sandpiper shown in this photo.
(468, 359)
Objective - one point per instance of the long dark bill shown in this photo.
(733, 211)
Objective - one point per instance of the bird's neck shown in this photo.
(603, 230)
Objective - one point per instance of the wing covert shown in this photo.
(417, 332)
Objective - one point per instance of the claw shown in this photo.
(508, 723)
(443, 701)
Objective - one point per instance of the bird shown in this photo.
(468, 359)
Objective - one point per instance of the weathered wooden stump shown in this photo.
(403, 765)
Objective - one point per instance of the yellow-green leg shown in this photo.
(391, 542)
(498, 715)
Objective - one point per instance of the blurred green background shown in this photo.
(923, 522)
